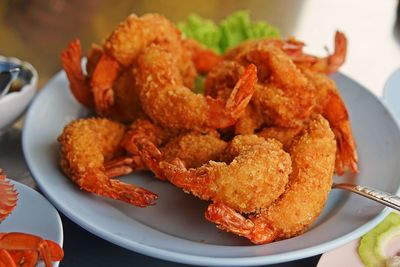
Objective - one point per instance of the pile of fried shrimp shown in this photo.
(261, 144)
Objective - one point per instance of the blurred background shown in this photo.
(37, 30)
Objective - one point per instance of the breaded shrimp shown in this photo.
(127, 41)
(313, 158)
(254, 175)
(283, 93)
(85, 147)
(294, 49)
(118, 54)
(192, 148)
(330, 104)
(169, 103)
(218, 85)
(124, 96)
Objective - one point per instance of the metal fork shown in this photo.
(384, 198)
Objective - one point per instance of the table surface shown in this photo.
(37, 30)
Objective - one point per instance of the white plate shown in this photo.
(34, 215)
(175, 228)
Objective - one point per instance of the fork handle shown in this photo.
(382, 197)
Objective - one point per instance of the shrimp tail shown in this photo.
(229, 220)
(224, 115)
(242, 92)
(129, 193)
(329, 64)
(346, 155)
(104, 75)
(338, 117)
(71, 61)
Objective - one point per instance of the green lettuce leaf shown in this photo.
(231, 31)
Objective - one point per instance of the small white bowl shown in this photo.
(13, 104)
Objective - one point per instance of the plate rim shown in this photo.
(196, 259)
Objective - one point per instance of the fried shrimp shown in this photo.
(168, 102)
(218, 85)
(118, 54)
(283, 94)
(124, 45)
(124, 95)
(294, 49)
(313, 157)
(254, 175)
(330, 104)
(88, 147)
(192, 148)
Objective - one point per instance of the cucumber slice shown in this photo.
(372, 244)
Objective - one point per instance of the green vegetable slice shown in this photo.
(372, 244)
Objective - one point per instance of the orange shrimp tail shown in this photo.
(151, 157)
(118, 190)
(195, 182)
(346, 155)
(229, 220)
(339, 56)
(224, 115)
(71, 61)
(243, 91)
(331, 63)
(104, 75)
(219, 116)
(8, 197)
